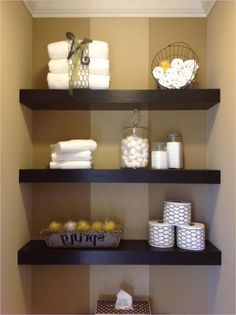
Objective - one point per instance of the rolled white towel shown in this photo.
(96, 66)
(179, 82)
(177, 63)
(61, 81)
(187, 74)
(158, 72)
(59, 50)
(72, 156)
(71, 164)
(190, 64)
(171, 73)
(76, 145)
(166, 81)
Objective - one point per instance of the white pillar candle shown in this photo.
(174, 154)
(159, 160)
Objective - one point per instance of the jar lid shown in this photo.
(159, 145)
(174, 136)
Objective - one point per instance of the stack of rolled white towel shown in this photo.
(72, 154)
(179, 74)
(98, 68)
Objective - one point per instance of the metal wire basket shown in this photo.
(175, 66)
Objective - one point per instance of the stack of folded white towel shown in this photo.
(98, 68)
(72, 154)
(180, 73)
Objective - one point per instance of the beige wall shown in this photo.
(57, 289)
(221, 72)
(133, 44)
(16, 143)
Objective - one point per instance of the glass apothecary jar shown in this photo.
(135, 145)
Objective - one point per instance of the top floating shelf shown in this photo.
(85, 99)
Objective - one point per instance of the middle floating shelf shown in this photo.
(182, 176)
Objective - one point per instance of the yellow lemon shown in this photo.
(109, 225)
(55, 226)
(165, 64)
(97, 226)
(83, 226)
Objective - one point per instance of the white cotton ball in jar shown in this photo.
(70, 226)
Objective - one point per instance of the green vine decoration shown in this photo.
(76, 54)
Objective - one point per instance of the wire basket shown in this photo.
(175, 66)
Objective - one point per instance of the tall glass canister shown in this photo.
(134, 145)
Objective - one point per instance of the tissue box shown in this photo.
(82, 239)
(108, 307)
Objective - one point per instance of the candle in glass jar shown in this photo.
(174, 151)
(159, 155)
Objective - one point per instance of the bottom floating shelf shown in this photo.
(130, 252)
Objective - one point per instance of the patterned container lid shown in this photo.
(108, 307)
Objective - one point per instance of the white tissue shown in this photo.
(124, 301)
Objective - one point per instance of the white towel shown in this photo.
(190, 64)
(61, 81)
(166, 81)
(59, 50)
(158, 72)
(96, 66)
(98, 49)
(72, 156)
(71, 164)
(177, 63)
(179, 82)
(77, 145)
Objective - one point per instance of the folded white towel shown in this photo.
(77, 145)
(71, 164)
(96, 66)
(98, 49)
(61, 81)
(59, 50)
(72, 156)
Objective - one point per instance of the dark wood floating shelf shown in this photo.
(85, 99)
(119, 176)
(130, 252)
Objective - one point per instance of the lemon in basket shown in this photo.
(109, 225)
(55, 226)
(83, 226)
(97, 226)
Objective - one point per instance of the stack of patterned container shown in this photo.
(190, 235)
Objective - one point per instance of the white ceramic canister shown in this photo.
(174, 151)
(159, 155)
